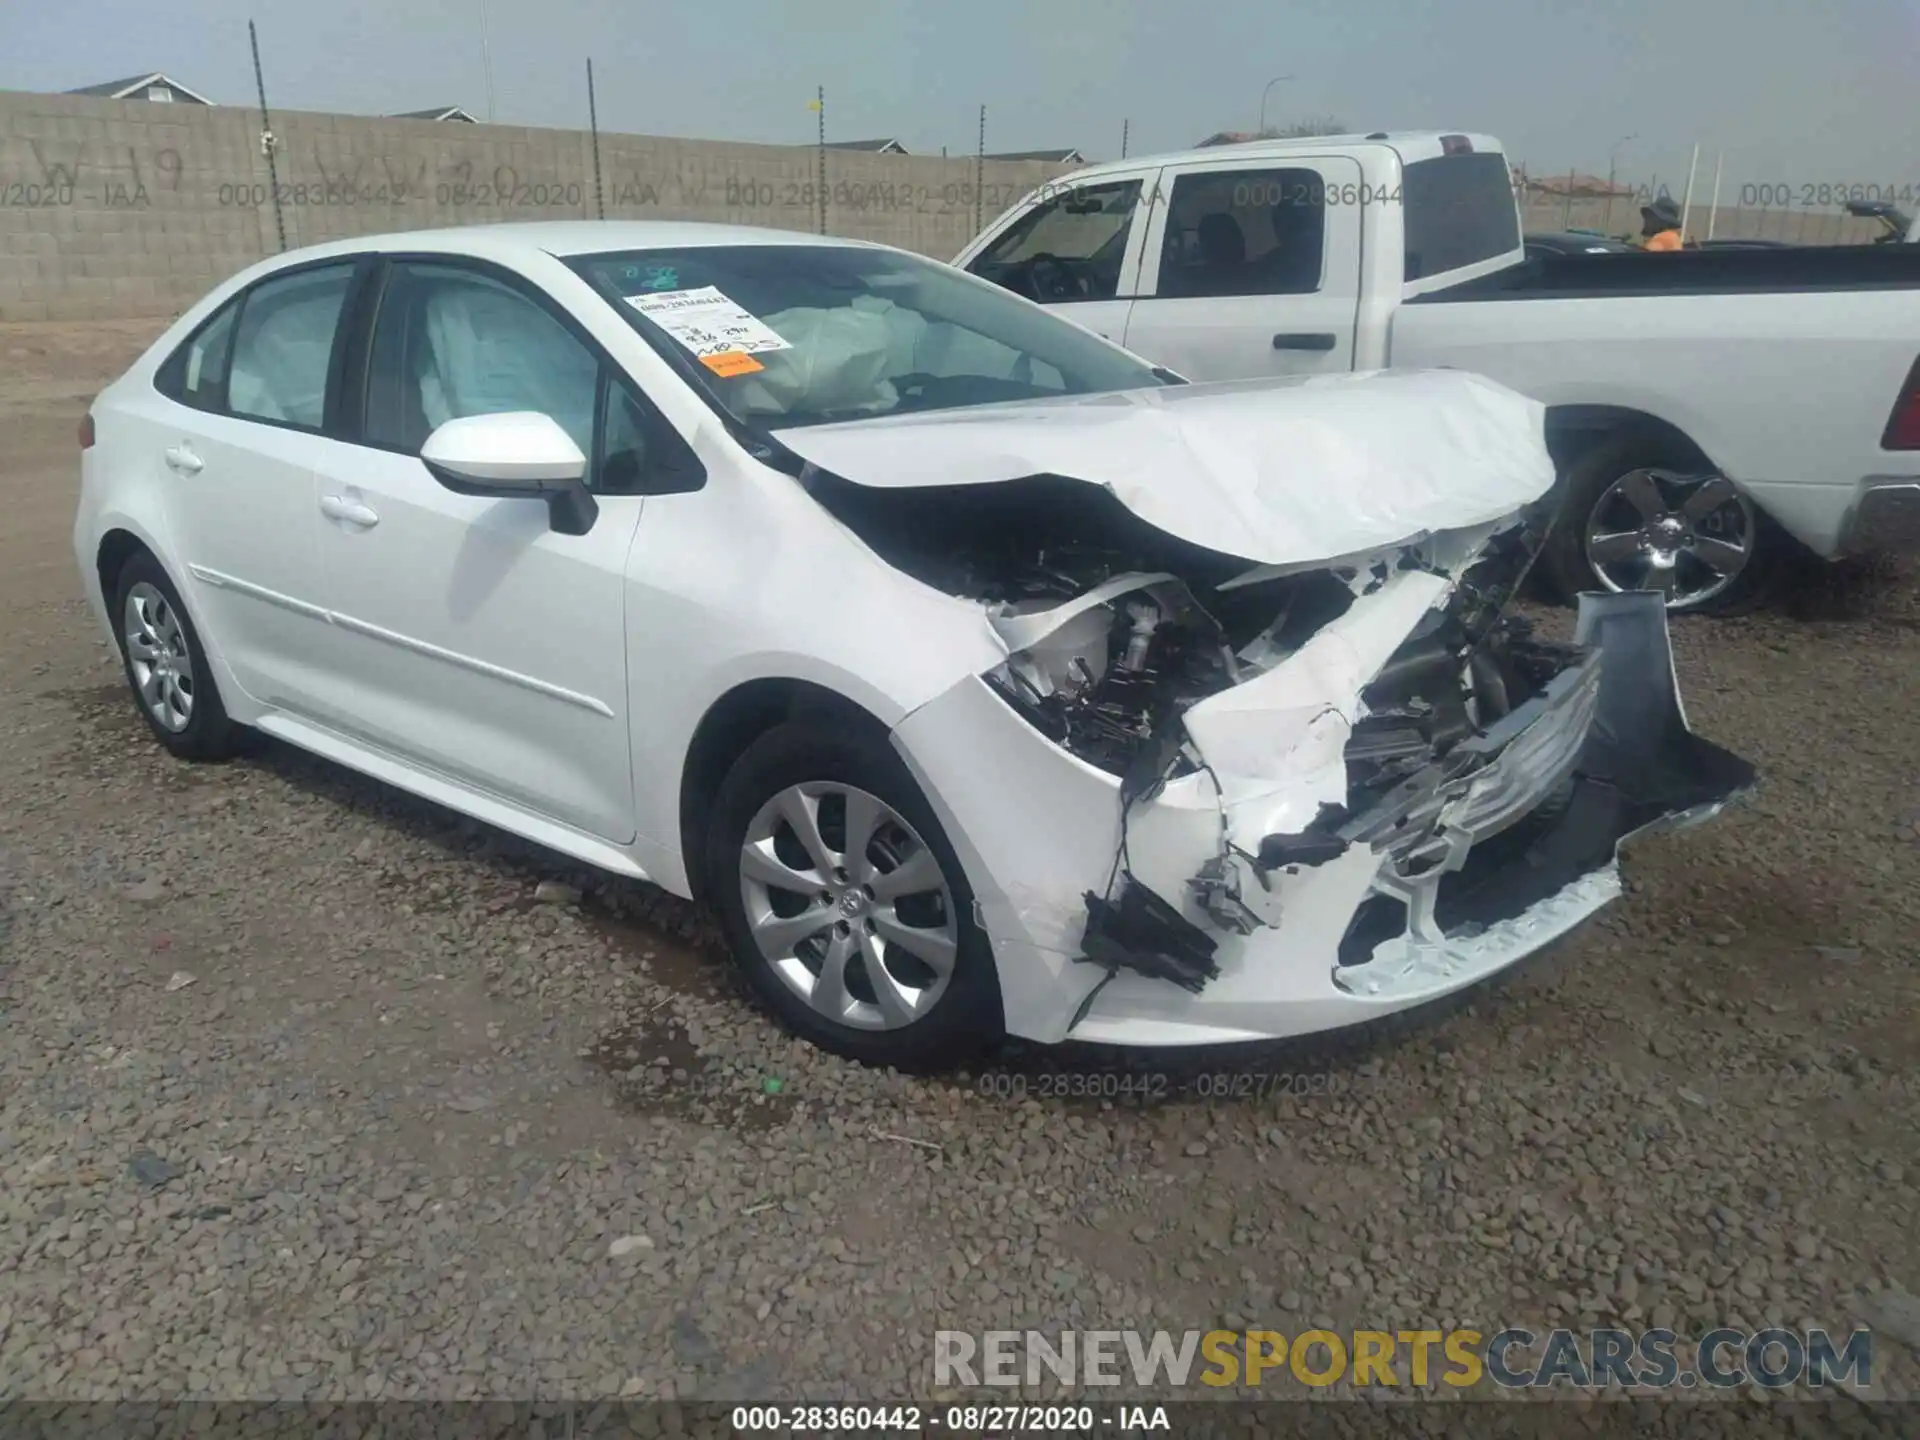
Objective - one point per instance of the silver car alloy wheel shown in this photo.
(1690, 536)
(159, 657)
(849, 906)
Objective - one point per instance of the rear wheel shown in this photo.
(166, 665)
(1643, 513)
(844, 904)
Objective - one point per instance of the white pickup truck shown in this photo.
(1702, 406)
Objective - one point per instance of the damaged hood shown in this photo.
(1276, 471)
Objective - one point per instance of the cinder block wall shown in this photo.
(127, 208)
(121, 207)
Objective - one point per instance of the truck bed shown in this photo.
(1799, 269)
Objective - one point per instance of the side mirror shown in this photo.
(515, 454)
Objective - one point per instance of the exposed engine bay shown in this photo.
(1462, 725)
(1261, 749)
(1116, 629)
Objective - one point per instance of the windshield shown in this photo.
(807, 334)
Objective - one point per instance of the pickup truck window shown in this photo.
(1459, 211)
(1066, 248)
(1244, 232)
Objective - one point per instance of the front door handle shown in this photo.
(339, 507)
(182, 461)
(1320, 341)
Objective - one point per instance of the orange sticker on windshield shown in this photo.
(731, 362)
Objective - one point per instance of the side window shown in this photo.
(451, 342)
(1244, 232)
(623, 442)
(1068, 248)
(640, 451)
(196, 373)
(283, 348)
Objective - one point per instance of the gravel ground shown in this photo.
(309, 1090)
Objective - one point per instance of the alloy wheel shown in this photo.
(159, 657)
(848, 905)
(1689, 536)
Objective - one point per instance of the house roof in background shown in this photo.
(437, 112)
(878, 147)
(1068, 156)
(123, 89)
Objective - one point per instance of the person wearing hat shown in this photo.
(1660, 225)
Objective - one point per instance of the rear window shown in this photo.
(1459, 212)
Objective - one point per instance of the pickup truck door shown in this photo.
(1254, 269)
(1075, 246)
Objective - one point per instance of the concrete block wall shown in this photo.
(118, 208)
(128, 208)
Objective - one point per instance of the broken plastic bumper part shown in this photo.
(1464, 867)
(1493, 880)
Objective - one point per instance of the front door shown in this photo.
(482, 645)
(1255, 269)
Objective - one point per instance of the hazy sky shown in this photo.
(1807, 91)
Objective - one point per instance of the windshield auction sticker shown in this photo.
(711, 326)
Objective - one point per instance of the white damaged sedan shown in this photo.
(982, 678)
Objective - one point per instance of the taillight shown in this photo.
(86, 431)
(1903, 426)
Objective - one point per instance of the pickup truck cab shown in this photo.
(1706, 409)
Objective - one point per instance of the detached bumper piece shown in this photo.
(1143, 933)
(1481, 867)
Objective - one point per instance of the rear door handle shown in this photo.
(1305, 342)
(182, 461)
(339, 507)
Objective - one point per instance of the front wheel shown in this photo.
(1642, 514)
(844, 904)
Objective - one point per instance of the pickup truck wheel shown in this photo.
(1639, 514)
(845, 905)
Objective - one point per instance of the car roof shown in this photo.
(1409, 145)
(511, 240)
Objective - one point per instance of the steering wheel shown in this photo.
(1051, 278)
(914, 382)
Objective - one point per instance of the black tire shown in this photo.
(208, 734)
(966, 1019)
(1587, 477)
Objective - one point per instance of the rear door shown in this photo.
(235, 440)
(1077, 246)
(1252, 269)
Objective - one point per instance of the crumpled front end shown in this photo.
(1198, 809)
